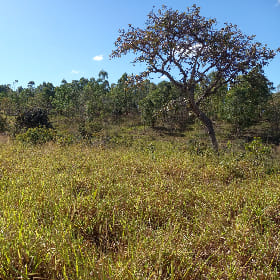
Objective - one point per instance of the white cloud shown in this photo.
(98, 57)
(75, 72)
(163, 77)
(278, 3)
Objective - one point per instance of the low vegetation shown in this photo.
(138, 209)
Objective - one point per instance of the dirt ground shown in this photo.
(4, 138)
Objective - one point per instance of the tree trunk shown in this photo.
(209, 126)
(205, 120)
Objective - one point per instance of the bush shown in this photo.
(37, 135)
(88, 129)
(3, 124)
(257, 151)
(35, 117)
(64, 139)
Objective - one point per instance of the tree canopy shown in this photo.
(186, 47)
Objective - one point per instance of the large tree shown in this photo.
(186, 47)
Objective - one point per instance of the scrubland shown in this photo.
(138, 210)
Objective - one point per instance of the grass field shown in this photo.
(138, 210)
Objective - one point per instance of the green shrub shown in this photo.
(37, 135)
(197, 147)
(3, 124)
(257, 151)
(88, 129)
(64, 139)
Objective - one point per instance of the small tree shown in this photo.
(246, 101)
(186, 47)
(123, 96)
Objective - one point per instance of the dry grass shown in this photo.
(148, 211)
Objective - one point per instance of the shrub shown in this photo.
(87, 129)
(64, 139)
(3, 124)
(37, 135)
(257, 151)
(35, 117)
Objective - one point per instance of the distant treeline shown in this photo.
(249, 101)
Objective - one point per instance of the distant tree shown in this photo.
(66, 98)
(124, 96)
(8, 106)
(213, 107)
(272, 116)
(4, 90)
(186, 47)
(157, 98)
(247, 99)
(95, 96)
(31, 85)
(43, 95)
(103, 75)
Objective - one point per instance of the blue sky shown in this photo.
(51, 40)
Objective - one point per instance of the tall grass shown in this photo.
(147, 211)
